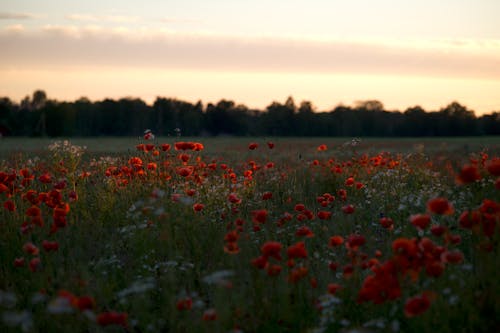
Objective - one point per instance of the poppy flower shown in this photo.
(304, 231)
(259, 262)
(19, 262)
(324, 215)
(273, 270)
(184, 304)
(35, 264)
(421, 221)
(9, 205)
(184, 171)
(148, 135)
(3, 188)
(271, 249)
(438, 230)
(84, 303)
(386, 222)
(209, 315)
(231, 248)
(30, 248)
(333, 288)
(348, 209)
(267, 195)
(270, 145)
(493, 167)
(355, 240)
(46, 178)
(198, 207)
(349, 181)
(336, 241)
(434, 268)
(404, 246)
(50, 246)
(468, 174)
(452, 257)
(299, 207)
(297, 274)
(416, 306)
(297, 250)
(259, 216)
(322, 147)
(440, 206)
(112, 318)
(253, 146)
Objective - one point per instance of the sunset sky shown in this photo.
(403, 53)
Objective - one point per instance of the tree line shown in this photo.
(37, 115)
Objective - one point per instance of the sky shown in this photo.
(329, 52)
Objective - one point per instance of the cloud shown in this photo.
(96, 46)
(16, 16)
(102, 18)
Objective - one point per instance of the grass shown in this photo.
(133, 244)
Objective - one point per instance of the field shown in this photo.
(249, 235)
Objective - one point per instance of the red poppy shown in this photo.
(260, 262)
(386, 222)
(231, 248)
(273, 270)
(184, 171)
(267, 195)
(322, 147)
(434, 268)
(252, 146)
(324, 215)
(19, 262)
(184, 304)
(336, 241)
(405, 247)
(421, 221)
(349, 181)
(297, 274)
(198, 207)
(84, 303)
(440, 206)
(9, 205)
(35, 264)
(30, 248)
(270, 145)
(416, 306)
(165, 146)
(438, 230)
(297, 250)
(493, 167)
(259, 216)
(333, 288)
(46, 178)
(300, 207)
(50, 246)
(468, 174)
(271, 249)
(349, 209)
(355, 240)
(304, 231)
(233, 198)
(209, 315)
(112, 318)
(452, 257)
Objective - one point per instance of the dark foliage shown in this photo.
(40, 116)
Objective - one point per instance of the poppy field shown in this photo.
(250, 235)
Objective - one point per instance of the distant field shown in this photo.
(107, 145)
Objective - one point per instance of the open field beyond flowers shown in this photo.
(249, 235)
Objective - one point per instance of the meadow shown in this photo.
(228, 234)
